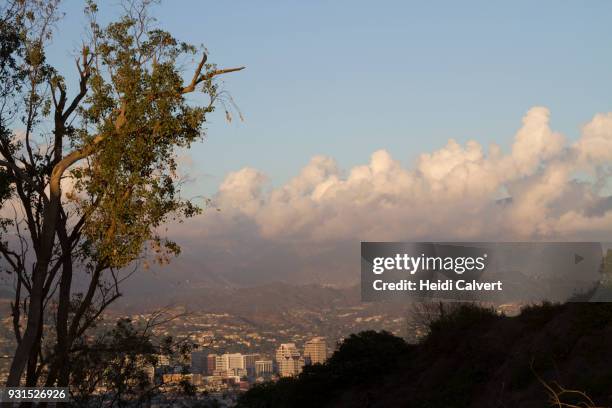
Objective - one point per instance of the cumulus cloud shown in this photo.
(544, 188)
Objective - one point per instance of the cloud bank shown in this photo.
(545, 188)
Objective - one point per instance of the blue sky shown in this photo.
(347, 78)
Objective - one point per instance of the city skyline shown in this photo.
(211, 371)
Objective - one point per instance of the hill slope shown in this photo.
(471, 358)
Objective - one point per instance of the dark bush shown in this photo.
(361, 358)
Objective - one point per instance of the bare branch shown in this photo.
(556, 393)
(84, 69)
(198, 77)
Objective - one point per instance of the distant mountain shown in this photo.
(263, 300)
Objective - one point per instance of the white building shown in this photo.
(263, 368)
(230, 364)
(289, 360)
(235, 361)
(221, 363)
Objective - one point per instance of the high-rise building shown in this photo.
(315, 351)
(249, 363)
(235, 360)
(198, 362)
(230, 363)
(221, 363)
(263, 368)
(288, 360)
(211, 364)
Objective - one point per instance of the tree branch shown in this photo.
(198, 77)
(84, 74)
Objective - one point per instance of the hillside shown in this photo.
(471, 358)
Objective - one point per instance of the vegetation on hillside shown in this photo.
(549, 355)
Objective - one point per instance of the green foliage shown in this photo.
(93, 172)
(136, 105)
(128, 124)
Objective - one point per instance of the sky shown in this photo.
(395, 120)
(345, 78)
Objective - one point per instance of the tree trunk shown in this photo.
(43, 253)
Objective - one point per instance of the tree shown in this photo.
(122, 360)
(89, 196)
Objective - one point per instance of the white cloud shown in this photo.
(595, 145)
(241, 190)
(450, 194)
